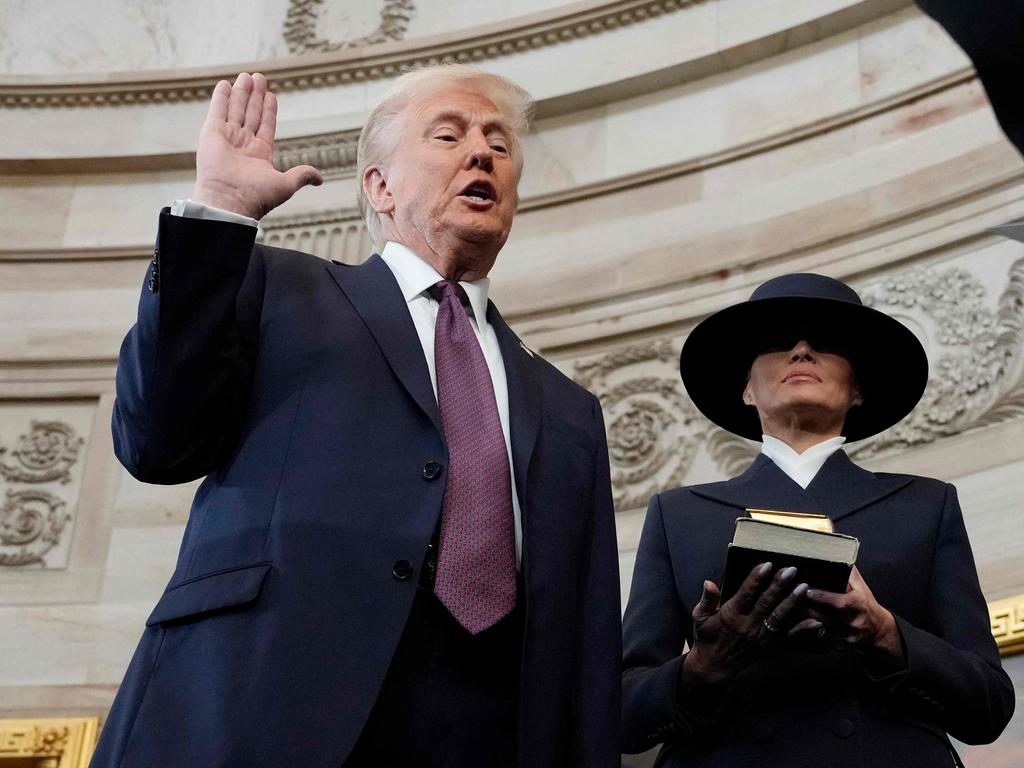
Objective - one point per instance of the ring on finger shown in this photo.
(822, 632)
(770, 626)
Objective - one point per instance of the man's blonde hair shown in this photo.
(380, 135)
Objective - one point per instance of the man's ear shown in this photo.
(857, 398)
(375, 186)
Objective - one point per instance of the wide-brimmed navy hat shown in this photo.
(887, 359)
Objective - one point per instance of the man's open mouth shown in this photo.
(479, 192)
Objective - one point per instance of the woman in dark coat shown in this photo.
(779, 674)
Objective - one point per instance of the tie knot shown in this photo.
(442, 290)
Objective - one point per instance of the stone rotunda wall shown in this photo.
(684, 151)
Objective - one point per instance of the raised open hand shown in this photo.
(234, 159)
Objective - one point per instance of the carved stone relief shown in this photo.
(338, 235)
(31, 523)
(45, 454)
(40, 475)
(302, 26)
(333, 154)
(975, 345)
(653, 428)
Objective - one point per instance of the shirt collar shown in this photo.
(801, 467)
(415, 276)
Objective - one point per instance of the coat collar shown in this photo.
(838, 490)
(374, 292)
(376, 296)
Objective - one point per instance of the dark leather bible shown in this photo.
(822, 559)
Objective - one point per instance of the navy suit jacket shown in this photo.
(299, 388)
(803, 709)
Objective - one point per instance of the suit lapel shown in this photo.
(373, 291)
(842, 488)
(524, 398)
(762, 486)
(838, 490)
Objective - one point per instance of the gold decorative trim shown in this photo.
(536, 31)
(1007, 617)
(66, 742)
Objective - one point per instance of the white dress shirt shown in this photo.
(801, 467)
(414, 277)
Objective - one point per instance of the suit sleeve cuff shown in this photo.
(190, 209)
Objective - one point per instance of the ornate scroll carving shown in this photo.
(31, 523)
(45, 454)
(33, 520)
(653, 428)
(301, 26)
(975, 352)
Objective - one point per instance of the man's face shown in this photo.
(798, 383)
(452, 178)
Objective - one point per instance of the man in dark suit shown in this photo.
(404, 551)
(780, 674)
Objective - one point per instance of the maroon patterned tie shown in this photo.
(476, 566)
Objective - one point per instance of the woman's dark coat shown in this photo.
(813, 709)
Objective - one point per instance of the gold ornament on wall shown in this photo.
(48, 742)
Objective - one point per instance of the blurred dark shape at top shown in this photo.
(991, 32)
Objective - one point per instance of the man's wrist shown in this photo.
(217, 198)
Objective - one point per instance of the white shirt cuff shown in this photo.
(190, 209)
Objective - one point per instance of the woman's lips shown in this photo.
(801, 376)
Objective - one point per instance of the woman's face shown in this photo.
(801, 386)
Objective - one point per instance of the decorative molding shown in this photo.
(1007, 618)
(301, 26)
(33, 520)
(653, 428)
(45, 454)
(333, 154)
(349, 65)
(31, 523)
(337, 235)
(49, 742)
(977, 353)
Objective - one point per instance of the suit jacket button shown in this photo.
(431, 470)
(843, 728)
(763, 732)
(402, 570)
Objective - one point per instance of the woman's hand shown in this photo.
(855, 618)
(728, 637)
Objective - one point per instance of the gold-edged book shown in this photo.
(822, 557)
(803, 520)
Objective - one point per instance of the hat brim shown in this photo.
(889, 362)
